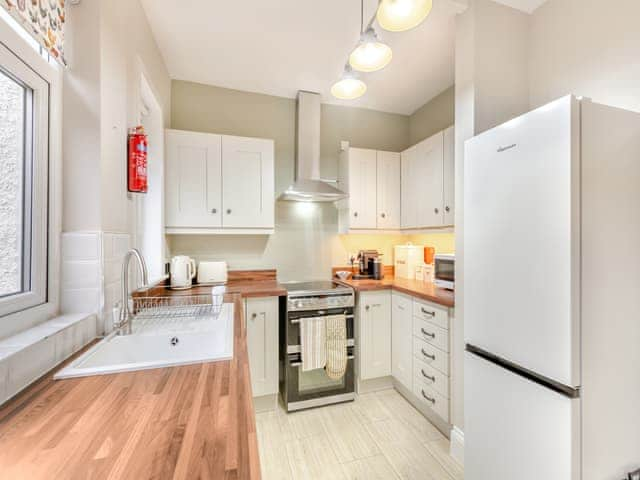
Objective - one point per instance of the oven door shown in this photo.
(306, 389)
(293, 323)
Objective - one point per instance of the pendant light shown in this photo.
(402, 15)
(371, 54)
(349, 86)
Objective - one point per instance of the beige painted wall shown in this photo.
(586, 47)
(432, 117)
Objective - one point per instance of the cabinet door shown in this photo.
(408, 203)
(388, 191)
(375, 334)
(449, 176)
(401, 342)
(193, 179)
(429, 177)
(262, 341)
(248, 191)
(362, 188)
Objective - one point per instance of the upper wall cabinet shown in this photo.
(218, 184)
(428, 182)
(372, 180)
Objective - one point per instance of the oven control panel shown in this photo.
(320, 302)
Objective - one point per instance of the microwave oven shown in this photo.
(445, 271)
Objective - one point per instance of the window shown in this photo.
(24, 158)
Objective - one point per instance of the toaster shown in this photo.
(210, 273)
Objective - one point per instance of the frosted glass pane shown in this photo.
(12, 186)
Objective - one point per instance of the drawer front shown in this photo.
(431, 355)
(431, 313)
(427, 331)
(431, 399)
(431, 377)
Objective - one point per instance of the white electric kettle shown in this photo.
(183, 270)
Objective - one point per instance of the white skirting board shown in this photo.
(456, 449)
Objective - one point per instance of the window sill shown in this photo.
(26, 356)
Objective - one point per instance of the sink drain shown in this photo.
(174, 341)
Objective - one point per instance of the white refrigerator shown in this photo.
(552, 295)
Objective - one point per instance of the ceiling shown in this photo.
(527, 6)
(280, 47)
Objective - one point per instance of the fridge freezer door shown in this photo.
(517, 429)
(521, 241)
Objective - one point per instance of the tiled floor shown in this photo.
(379, 436)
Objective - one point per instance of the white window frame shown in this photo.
(18, 58)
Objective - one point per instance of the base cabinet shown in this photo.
(262, 323)
(374, 324)
(420, 352)
(401, 326)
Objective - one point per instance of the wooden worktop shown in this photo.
(249, 283)
(424, 290)
(195, 421)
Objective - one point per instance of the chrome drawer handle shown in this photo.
(427, 312)
(427, 334)
(424, 374)
(428, 398)
(432, 357)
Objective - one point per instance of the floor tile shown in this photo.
(271, 441)
(372, 468)
(302, 424)
(403, 410)
(414, 462)
(350, 439)
(313, 458)
(369, 408)
(440, 450)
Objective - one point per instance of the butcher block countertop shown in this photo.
(187, 422)
(249, 283)
(424, 290)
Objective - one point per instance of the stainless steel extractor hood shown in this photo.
(308, 187)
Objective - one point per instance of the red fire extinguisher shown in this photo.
(137, 160)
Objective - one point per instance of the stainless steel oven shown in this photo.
(304, 389)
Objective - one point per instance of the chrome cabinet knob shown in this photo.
(355, 214)
(447, 209)
(383, 215)
(436, 211)
(367, 307)
(228, 211)
(254, 316)
(214, 210)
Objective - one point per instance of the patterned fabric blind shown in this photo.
(44, 20)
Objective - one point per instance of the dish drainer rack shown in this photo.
(177, 307)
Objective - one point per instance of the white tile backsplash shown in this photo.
(81, 246)
(85, 274)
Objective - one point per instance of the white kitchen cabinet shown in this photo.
(262, 321)
(218, 184)
(248, 182)
(409, 200)
(427, 173)
(449, 176)
(372, 181)
(401, 341)
(358, 178)
(388, 190)
(429, 178)
(374, 317)
(193, 190)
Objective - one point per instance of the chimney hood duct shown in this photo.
(308, 187)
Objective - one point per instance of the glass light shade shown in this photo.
(371, 54)
(402, 15)
(349, 86)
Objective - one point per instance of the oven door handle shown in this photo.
(299, 364)
(297, 320)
